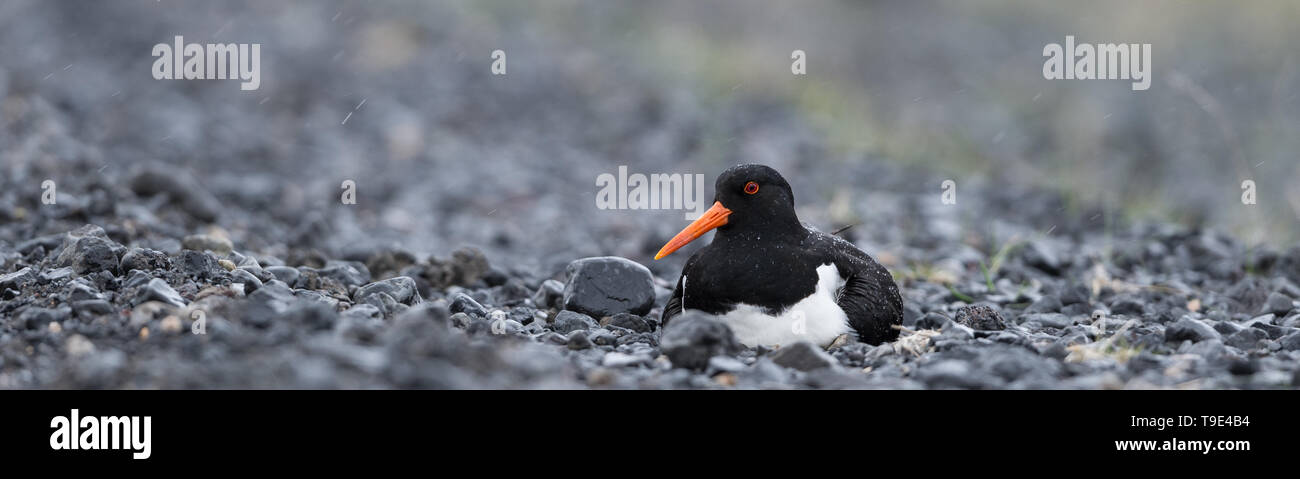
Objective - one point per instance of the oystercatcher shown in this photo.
(773, 280)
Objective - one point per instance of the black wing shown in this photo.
(869, 296)
(674, 305)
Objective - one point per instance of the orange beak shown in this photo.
(715, 217)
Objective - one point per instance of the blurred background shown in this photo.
(899, 96)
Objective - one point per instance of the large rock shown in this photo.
(608, 285)
(88, 250)
(690, 340)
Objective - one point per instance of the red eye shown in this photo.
(751, 187)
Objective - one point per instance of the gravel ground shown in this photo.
(1143, 306)
(469, 258)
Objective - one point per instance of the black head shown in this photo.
(748, 199)
(758, 197)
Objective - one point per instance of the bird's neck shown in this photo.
(792, 233)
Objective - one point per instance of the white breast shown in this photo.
(816, 319)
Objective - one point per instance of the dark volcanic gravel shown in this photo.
(87, 310)
(198, 240)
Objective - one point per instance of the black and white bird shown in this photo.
(775, 281)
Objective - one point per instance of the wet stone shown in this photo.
(692, 339)
(609, 285)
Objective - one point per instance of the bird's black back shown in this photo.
(776, 272)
